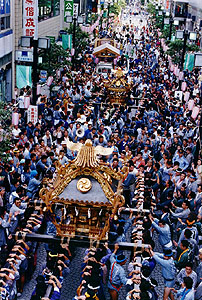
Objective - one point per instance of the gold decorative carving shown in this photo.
(79, 217)
(118, 88)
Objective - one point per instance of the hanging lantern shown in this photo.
(50, 80)
(184, 86)
(195, 112)
(181, 76)
(190, 104)
(186, 96)
(175, 70)
(172, 68)
(15, 118)
(38, 91)
(72, 52)
(26, 102)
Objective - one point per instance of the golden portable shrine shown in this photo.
(118, 88)
(83, 194)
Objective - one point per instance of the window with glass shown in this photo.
(4, 14)
(48, 9)
(181, 9)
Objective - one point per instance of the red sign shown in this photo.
(30, 18)
(32, 114)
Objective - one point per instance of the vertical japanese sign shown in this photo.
(32, 114)
(75, 10)
(30, 18)
(68, 9)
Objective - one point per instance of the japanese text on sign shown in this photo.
(68, 8)
(30, 18)
(32, 114)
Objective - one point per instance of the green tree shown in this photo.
(94, 17)
(53, 59)
(166, 32)
(151, 9)
(82, 39)
(117, 7)
(5, 131)
(175, 49)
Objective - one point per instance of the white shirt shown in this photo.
(16, 132)
(21, 102)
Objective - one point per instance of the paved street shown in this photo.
(72, 281)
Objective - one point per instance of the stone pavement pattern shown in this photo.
(72, 281)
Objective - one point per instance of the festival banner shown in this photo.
(67, 41)
(23, 76)
(32, 114)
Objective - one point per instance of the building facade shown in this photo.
(50, 22)
(6, 49)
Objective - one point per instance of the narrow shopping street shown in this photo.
(100, 150)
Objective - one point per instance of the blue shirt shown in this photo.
(168, 266)
(117, 275)
(185, 295)
(164, 232)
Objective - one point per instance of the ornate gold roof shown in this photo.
(84, 185)
(87, 154)
(118, 87)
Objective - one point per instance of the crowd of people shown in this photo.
(154, 135)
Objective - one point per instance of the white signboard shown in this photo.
(32, 114)
(30, 18)
(24, 55)
(75, 10)
(198, 60)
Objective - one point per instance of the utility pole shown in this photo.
(162, 26)
(171, 25)
(34, 69)
(74, 41)
(75, 16)
(186, 34)
(108, 15)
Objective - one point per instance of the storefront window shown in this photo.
(4, 14)
(48, 9)
(181, 9)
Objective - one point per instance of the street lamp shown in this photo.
(176, 22)
(166, 21)
(185, 35)
(41, 43)
(109, 2)
(171, 25)
(192, 36)
(179, 34)
(163, 12)
(73, 20)
(198, 64)
(198, 60)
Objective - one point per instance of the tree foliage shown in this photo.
(176, 47)
(166, 33)
(53, 59)
(151, 9)
(5, 131)
(117, 7)
(82, 39)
